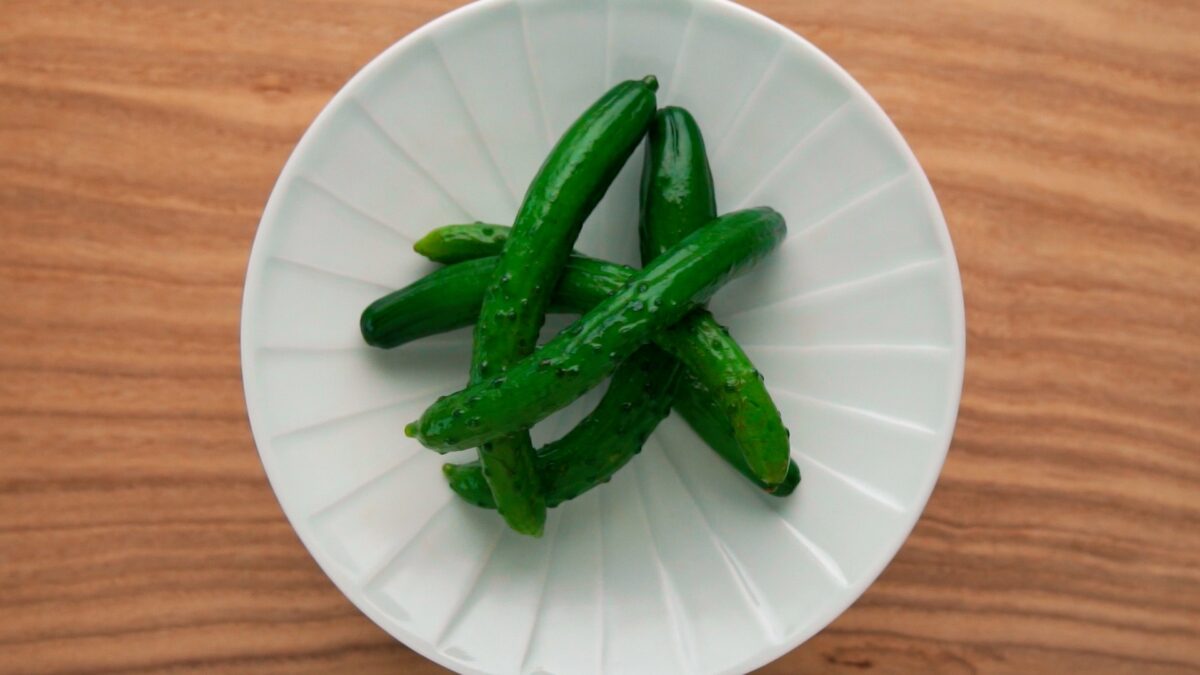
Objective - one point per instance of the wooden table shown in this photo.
(139, 142)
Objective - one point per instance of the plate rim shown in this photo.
(251, 301)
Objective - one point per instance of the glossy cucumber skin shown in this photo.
(677, 194)
(573, 178)
(709, 354)
(571, 181)
(598, 449)
(738, 390)
(450, 295)
(677, 198)
(451, 244)
(598, 446)
(590, 349)
(642, 387)
(697, 406)
(585, 283)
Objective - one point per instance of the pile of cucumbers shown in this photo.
(646, 328)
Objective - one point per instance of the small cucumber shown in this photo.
(585, 283)
(603, 442)
(455, 243)
(677, 194)
(677, 197)
(702, 411)
(570, 183)
(586, 352)
(602, 450)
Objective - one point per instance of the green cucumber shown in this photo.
(603, 442)
(703, 413)
(569, 184)
(586, 352)
(596, 448)
(677, 194)
(450, 297)
(585, 283)
(643, 386)
(451, 244)
(677, 197)
(737, 389)
(447, 296)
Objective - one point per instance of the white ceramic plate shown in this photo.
(677, 565)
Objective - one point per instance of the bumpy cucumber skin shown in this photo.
(590, 349)
(450, 297)
(677, 198)
(468, 482)
(427, 305)
(600, 449)
(696, 405)
(568, 186)
(598, 446)
(451, 244)
(574, 177)
(585, 283)
(677, 194)
(713, 357)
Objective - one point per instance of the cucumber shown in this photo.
(642, 387)
(586, 352)
(602, 449)
(703, 413)
(456, 243)
(585, 283)
(567, 187)
(737, 389)
(677, 194)
(450, 296)
(677, 197)
(603, 442)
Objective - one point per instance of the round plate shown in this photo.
(679, 564)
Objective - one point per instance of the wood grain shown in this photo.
(138, 144)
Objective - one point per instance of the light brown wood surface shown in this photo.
(139, 142)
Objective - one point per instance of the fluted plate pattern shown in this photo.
(677, 565)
